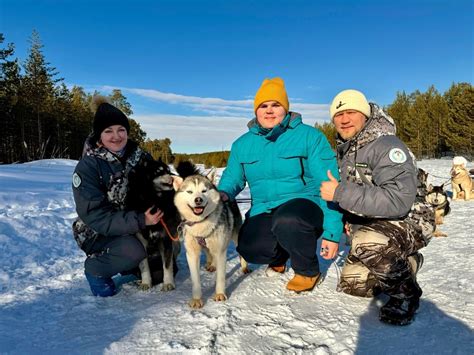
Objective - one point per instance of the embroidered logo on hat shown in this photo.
(340, 104)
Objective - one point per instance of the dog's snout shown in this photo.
(198, 201)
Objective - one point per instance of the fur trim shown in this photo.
(98, 100)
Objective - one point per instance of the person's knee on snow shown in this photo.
(357, 280)
(133, 253)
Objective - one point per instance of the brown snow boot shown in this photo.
(275, 270)
(300, 283)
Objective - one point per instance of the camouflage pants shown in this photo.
(379, 259)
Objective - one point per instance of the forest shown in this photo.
(43, 118)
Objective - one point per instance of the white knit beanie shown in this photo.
(349, 100)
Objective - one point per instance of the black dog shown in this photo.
(422, 186)
(151, 185)
(438, 198)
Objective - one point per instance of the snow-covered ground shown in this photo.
(46, 306)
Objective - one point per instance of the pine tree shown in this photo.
(459, 127)
(399, 111)
(120, 101)
(38, 94)
(10, 81)
(329, 131)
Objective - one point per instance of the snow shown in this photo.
(46, 305)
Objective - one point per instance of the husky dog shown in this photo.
(151, 185)
(421, 188)
(438, 198)
(207, 223)
(461, 180)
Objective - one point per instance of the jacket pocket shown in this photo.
(250, 167)
(294, 163)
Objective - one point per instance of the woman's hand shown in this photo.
(152, 219)
(329, 249)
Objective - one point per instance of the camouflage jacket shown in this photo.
(379, 178)
(100, 183)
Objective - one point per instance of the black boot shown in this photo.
(401, 308)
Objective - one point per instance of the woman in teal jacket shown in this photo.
(284, 162)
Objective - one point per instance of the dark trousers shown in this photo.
(108, 256)
(289, 231)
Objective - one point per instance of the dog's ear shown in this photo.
(177, 182)
(186, 168)
(211, 175)
(429, 188)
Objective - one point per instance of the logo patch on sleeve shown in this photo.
(76, 180)
(397, 155)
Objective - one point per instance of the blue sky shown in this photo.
(190, 69)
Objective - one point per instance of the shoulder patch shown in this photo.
(76, 180)
(397, 155)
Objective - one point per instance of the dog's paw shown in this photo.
(167, 287)
(439, 234)
(210, 268)
(196, 303)
(219, 297)
(144, 286)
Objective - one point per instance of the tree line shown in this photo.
(42, 118)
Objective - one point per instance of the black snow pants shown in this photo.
(290, 231)
(108, 256)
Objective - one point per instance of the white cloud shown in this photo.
(221, 107)
(217, 125)
(194, 133)
(206, 104)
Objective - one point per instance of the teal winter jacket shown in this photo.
(287, 162)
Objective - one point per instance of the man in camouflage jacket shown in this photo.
(386, 222)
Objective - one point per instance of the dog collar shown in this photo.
(200, 240)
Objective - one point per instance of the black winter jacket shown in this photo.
(100, 183)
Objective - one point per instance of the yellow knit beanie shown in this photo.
(349, 100)
(272, 90)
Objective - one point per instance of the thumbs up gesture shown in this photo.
(328, 188)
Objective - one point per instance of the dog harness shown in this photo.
(200, 240)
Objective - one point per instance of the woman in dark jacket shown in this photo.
(104, 229)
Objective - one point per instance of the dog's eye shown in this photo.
(204, 191)
(189, 192)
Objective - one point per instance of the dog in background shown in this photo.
(421, 189)
(461, 180)
(438, 198)
(151, 185)
(208, 224)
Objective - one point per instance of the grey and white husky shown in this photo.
(207, 224)
(438, 198)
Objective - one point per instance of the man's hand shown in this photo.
(329, 249)
(224, 196)
(328, 188)
(153, 218)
